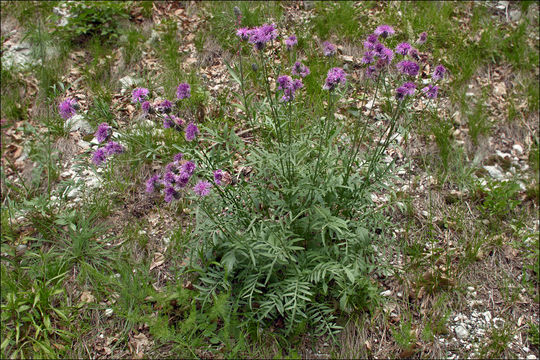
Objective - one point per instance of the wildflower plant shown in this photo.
(292, 236)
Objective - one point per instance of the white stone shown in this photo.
(487, 316)
(386, 293)
(531, 357)
(470, 288)
(518, 149)
(108, 312)
(494, 171)
(461, 332)
(78, 123)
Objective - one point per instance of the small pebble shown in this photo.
(531, 357)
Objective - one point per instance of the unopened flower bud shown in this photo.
(237, 11)
(254, 67)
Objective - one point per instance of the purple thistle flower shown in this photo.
(183, 91)
(165, 106)
(172, 166)
(387, 55)
(103, 132)
(170, 194)
(99, 157)
(290, 42)
(408, 67)
(284, 82)
(439, 72)
(151, 183)
(297, 84)
(178, 157)
(202, 188)
(243, 33)
(384, 31)
(139, 94)
(368, 57)
(67, 108)
(168, 121)
(191, 131)
(259, 36)
(329, 49)
(178, 121)
(431, 91)
(218, 176)
(370, 42)
(146, 106)
(113, 147)
(370, 71)
(403, 48)
(410, 87)
(378, 47)
(422, 38)
(169, 178)
(188, 167)
(334, 77)
(404, 90)
(182, 179)
(414, 54)
(300, 69)
(372, 38)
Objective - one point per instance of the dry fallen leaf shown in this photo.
(87, 297)
(158, 260)
(137, 343)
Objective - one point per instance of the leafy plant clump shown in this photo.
(285, 223)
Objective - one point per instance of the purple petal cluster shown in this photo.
(408, 67)
(165, 106)
(439, 72)
(329, 49)
(99, 157)
(291, 41)
(403, 48)
(202, 188)
(67, 108)
(405, 90)
(101, 154)
(175, 177)
(243, 33)
(300, 69)
(422, 38)
(152, 183)
(191, 131)
(431, 91)
(183, 91)
(171, 121)
(334, 77)
(139, 95)
(259, 36)
(146, 107)
(113, 147)
(369, 57)
(289, 87)
(414, 54)
(384, 31)
(218, 176)
(104, 131)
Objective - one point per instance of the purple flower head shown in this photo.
(151, 183)
(165, 106)
(403, 48)
(168, 122)
(300, 69)
(372, 38)
(290, 42)
(67, 108)
(368, 58)
(188, 167)
(243, 33)
(202, 188)
(146, 106)
(414, 54)
(170, 194)
(182, 179)
(408, 67)
(218, 176)
(410, 87)
(431, 91)
(183, 91)
(406, 89)
(113, 147)
(329, 49)
(191, 131)
(169, 178)
(104, 131)
(387, 55)
(259, 36)
(284, 82)
(371, 71)
(297, 84)
(439, 72)
(139, 94)
(378, 47)
(384, 31)
(99, 157)
(334, 77)
(422, 38)
(178, 157)
(172, 166)
(178, 121)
